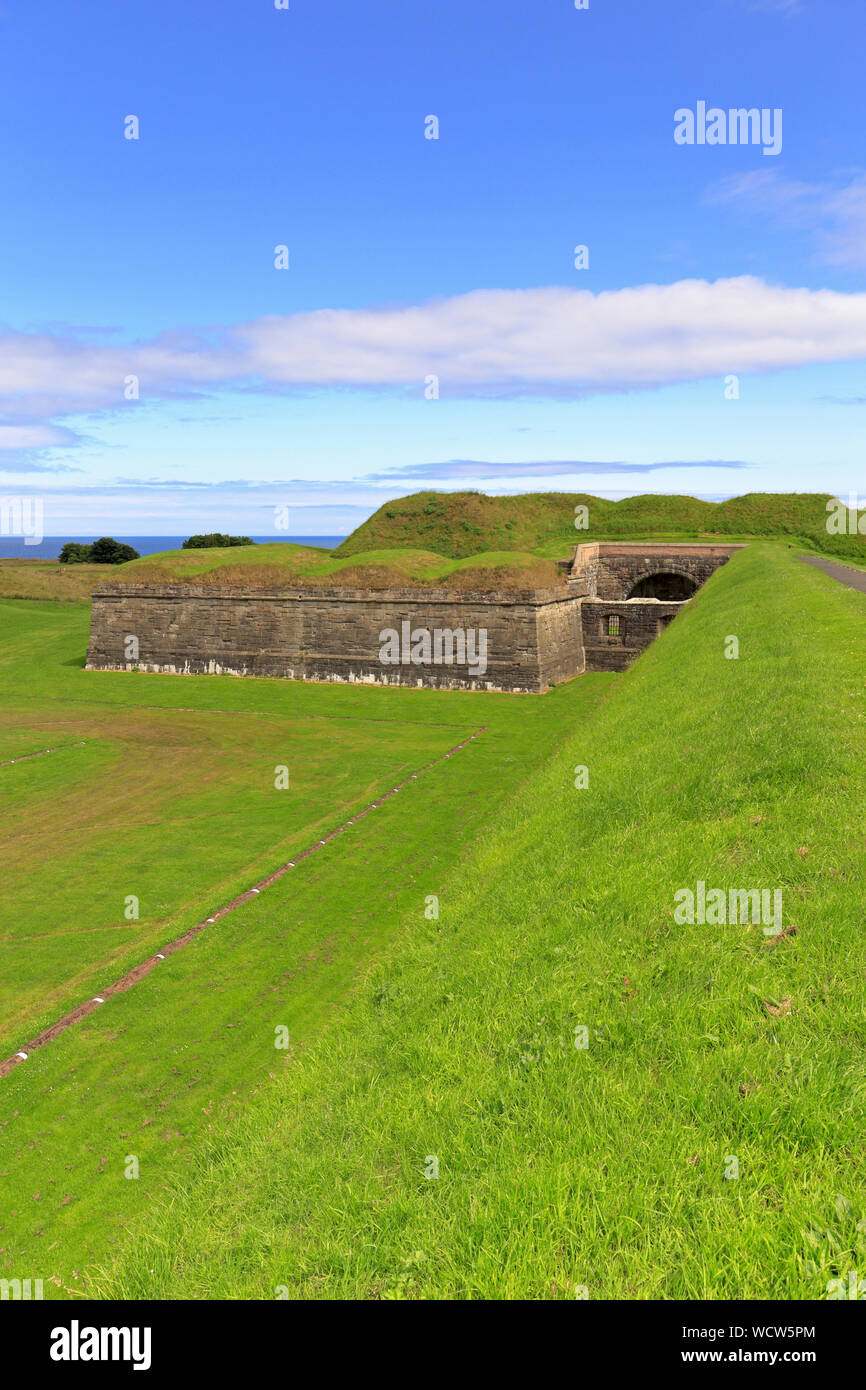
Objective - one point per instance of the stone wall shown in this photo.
(640, 622)
(560, 641)
(533, 637)
(612, 568)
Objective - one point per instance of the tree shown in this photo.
(214, 539)
(74, 554)
(105, 551)
(108, 551)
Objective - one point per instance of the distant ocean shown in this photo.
(11, 547)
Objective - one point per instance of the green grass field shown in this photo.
(706, 1143)
(163, 787)
(200, 818)
(711, 1050)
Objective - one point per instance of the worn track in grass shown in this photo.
(138, 972)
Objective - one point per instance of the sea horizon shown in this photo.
(16, 548)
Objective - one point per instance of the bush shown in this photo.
(74, 554)
(105, 551)
(108, 551)
(214, 539)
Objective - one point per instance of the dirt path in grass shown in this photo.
(138, 972)
(855, 579)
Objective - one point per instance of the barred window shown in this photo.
(613, 625)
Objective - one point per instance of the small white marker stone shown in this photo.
(211, 919)
(22, 1055)
(255, 890)
(160, 956)
(97, 1000)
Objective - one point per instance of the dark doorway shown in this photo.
(672, 588)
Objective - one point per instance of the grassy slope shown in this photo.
(606, 1167)
(462, 523)
(46, 579)
(158, 1070)
(286, 566)
(461, 540)
(282, 565)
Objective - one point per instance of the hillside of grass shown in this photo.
(458, 524)
(450, 1140)
(281, 565)
(464, 541)
(48, 579)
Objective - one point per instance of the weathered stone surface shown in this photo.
(611, 569)
(532, 636)
(521, 640)
(640, 622)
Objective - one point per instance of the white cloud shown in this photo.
(542, 342)
(541, 468)
(172, 511)
(33, 436)
(554, 341)
(833, 213)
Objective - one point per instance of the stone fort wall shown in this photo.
(522, 640)
(532, 637)
(611, 569)
(640, 621)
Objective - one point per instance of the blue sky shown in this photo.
(261, 388)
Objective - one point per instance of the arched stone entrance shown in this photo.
(667, 586)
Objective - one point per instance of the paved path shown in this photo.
(855, 579)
